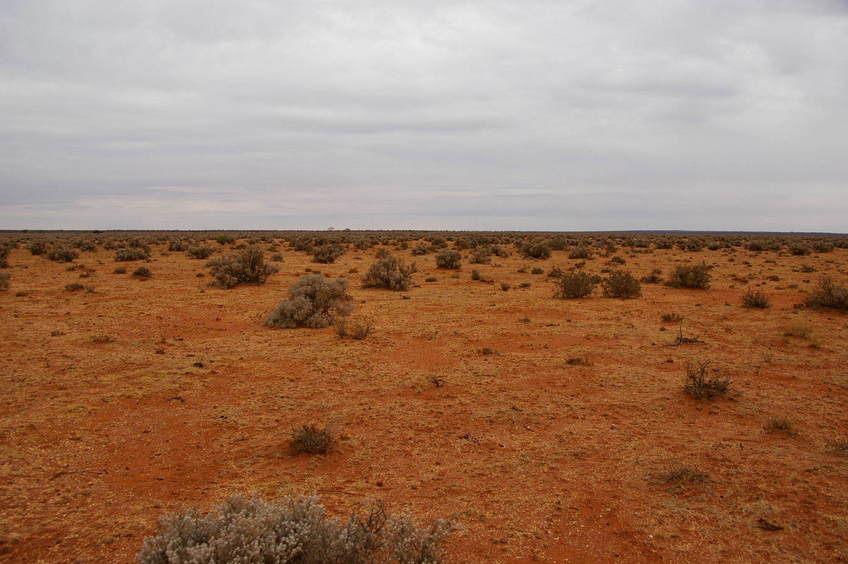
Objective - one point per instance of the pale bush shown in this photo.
(314, 301)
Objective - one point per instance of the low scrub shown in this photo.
(4, 256)
(310, 439)
(449, 259)
(62, 254)
(755, 299)
(327, 254)
(314, 301)
(296, 530)
(199, 251)
(621, 284)
(5, 277)
(131, 253)
(245, 267)
(695, 276)
(829, 295)
(580, 253)
(389, 272)
(357, 329)
(701, 385)
(535, 250)
(574, 285)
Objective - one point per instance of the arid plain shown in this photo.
(544, 429)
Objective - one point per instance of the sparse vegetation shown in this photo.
(310, 439)
(780, 425)
(357, 329)
(62, 254)
(4, 280)
(131, 253)
(314, 301)
(296, 530)
(142, 272)
(701, 385)
(755, 299)
(199, 251)
(327, 254)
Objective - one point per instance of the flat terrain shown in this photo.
(544, 429)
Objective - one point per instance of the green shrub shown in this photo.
(389, 272)
(38, 248)
(225, 239)
(314, 301)
(296, 531)
(799, 250)
(142, 272)
(448, 259)
(829, 295)
(480, 255)
(621, 284)
(573, 285)
(420, 249)
(327, 254)
(755, 299)
(690, 276)
(245, 267)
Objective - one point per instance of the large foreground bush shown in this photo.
(389, 272)
(314, 301)
(245, 267)
(296, 530)
(829, 295)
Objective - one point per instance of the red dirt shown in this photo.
(532, 458)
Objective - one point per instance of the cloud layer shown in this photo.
(408, 114)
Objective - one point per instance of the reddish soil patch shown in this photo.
(551, 445)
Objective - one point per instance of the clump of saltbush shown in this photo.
(621, 284)
(327, 254)
(131, 253)
(294, 530)
(38, 248)
(755, 299)
(829, 295)
(449, 259)
(310, 439)
(580, 252)
(690, 276)
(573, 285)
(245, 267)
(314, 301)
(701, 385)
(389, 272)
(199, 251)
(62, 254)
(535, 250)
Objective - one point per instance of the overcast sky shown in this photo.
(536, 115)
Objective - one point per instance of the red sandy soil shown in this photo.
(531, 458)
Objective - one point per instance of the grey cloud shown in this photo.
(486, 114)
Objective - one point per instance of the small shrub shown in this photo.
(537, 270)
(131, 253)
(655, 277)
(199, 252)
(580, 252)
(829, 295)
(276, 257)
(475, 275)
(142, 272)
(37, 248)
(799, 330)
(535, 250)
(556, 272)
(62, 254)
(838, 447)
(225, 239)
(4, 280)
(449, 259)
(779, 425)
(4, 255)
(755, 299)
(671, 317)
(120, 270)
(682, 476)
(701, 385)
(574, 285)
(420, 249)
(622, 284)
(314, 301)
(245, 267)
(357, 329)
(431, 279)
(74, 287)
(297, 531)
(480, 255)
(690, 276)
(389, 272)
(799, 250)
(505, 286)
(327, 254)
(310, 439)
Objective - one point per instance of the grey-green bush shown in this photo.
(573, 285)
(245, 267)
(389, 272)
(448, 259)
(314, 301)
(690, 276)
(199, 251)
(131, 253)
(296, 530)
(621, 284)
(327, 254)
(829, 295)
(62, 254)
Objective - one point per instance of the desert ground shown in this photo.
(543, 429)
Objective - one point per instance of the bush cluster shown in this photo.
(295, 530)
(327, 254)
(621, 284)
(389, 272)
(573, 285)
(448, 259)
(199, 251)
(245, 267)
(690, 276)
(829, 295)
(62, 254)
(131, 253)
(314, 301)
